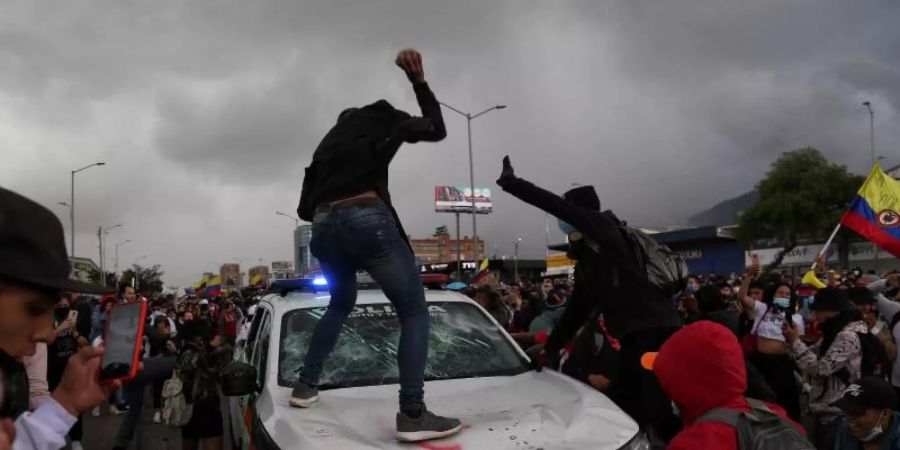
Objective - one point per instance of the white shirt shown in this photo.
(44, 429)
(888, 310)
(772, 322)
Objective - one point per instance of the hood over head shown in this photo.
(698, 384)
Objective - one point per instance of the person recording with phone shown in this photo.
(34, 269)
(61, 349)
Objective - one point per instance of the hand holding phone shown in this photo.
(123, 338)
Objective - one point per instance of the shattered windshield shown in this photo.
(463, 344)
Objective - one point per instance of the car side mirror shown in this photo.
(238, 379)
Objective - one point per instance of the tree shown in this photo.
(149, 279)
(110, 279)
(802, 196)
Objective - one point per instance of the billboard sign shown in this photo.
(458, 199)
(282, 266)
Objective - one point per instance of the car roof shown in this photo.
(305, 299)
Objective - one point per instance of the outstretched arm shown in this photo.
(430, 127)
(580, 218)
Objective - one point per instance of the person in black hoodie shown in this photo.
(345, 196)
(608, 279)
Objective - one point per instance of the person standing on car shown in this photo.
(608, 279)
(345, 196)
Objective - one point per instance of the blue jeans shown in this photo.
(365, 237)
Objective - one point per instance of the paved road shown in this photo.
(100, 432)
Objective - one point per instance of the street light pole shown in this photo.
(103, 251)
(868, 106)
(469, 117)
(117, 254)
(72, 202)
(516, 257)
(295, 219)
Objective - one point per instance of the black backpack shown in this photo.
(875, 362)
(665, 269)
(759, 428)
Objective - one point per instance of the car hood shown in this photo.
(533, 410)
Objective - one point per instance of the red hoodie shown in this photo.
(702, 367)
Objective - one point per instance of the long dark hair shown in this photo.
(769, 295)
(831, 327)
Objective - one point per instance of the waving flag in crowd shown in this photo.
(214, 286)
(875, 211)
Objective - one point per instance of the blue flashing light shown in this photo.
(299, 284)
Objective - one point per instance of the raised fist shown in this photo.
(410, 60)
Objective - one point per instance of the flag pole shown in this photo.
(827, 244)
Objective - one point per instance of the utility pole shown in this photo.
(458, 251)
(100, 247)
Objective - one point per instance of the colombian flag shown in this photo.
(483, 272)
(875, 211)
(214, 286)
(257, 279)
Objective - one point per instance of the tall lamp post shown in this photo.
(117, 253)
(103, 252)
(469, 117)
(72, 202)
(516, 259)
(868, 106)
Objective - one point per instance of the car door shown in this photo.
(259, 354)
(239, 405)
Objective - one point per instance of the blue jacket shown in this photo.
(891, 441)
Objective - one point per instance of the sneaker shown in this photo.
(96, 411)
(425, 427)
(157, 417)
(117, 411)
(304, 395)
(76, 445)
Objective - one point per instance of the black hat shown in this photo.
(867, 393)
(584, 196)
(32, 246)
(860, 296)
(831, 299)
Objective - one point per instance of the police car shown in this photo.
(475, 372)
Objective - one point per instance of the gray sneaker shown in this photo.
(304, 395)
(427, 426)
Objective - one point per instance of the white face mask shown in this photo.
(875, 431)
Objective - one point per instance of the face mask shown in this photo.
(782, 303)
(875, 432)
(61, 313)
(565, 227)
(691, 289)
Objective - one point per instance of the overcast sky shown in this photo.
(206, 112)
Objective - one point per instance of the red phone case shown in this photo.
(136, 359)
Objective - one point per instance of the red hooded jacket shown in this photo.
(701, 367)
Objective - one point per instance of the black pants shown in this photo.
(778, 370)
(637, 391)
(157, 393)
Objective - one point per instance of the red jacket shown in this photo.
(701, 367)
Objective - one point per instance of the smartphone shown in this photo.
(122, 338)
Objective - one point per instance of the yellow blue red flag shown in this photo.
(875, 211)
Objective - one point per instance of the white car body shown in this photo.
(530, 410)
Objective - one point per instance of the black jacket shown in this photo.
(354, 156)
(610, 280)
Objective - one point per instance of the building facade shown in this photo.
(83, 269)
(262, 271)
(440, 248)
(282, 270)
(304, 261)
(231, 275)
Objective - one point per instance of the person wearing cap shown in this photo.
(864, 300)
(610, 279)
(34, 269)
(699, 385)
(834, 361)
(870, 418)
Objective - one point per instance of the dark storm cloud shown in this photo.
(207, 111)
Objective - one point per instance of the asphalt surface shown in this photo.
(100, 432)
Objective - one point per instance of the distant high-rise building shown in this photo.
(440, 248)
(304, 261)
(231, 275)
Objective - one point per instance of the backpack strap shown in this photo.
(727, 416)
(731, 416)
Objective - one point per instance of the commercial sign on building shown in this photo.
(459, 199)
(282, 266)
(806, 254)
(83, 268)
(559, 264)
